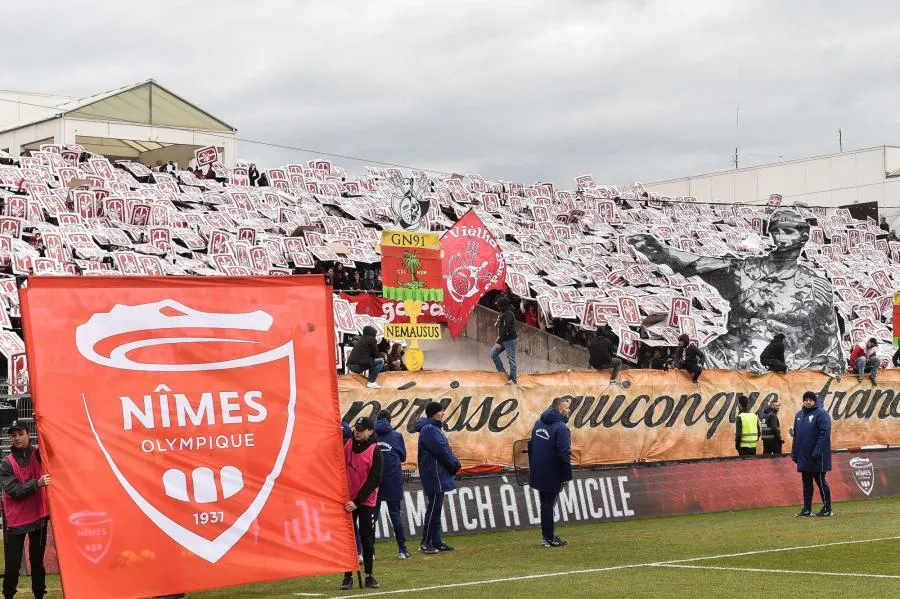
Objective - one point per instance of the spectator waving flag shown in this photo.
(473, 265)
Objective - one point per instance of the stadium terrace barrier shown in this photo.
(650, 416)
(532, 342)
(496, 502)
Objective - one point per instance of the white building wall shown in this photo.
(834, 180)
(15, 139)
(19, 107)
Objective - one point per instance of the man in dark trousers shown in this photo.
(506, 339)
(812, 452)
(347, 433)
(437, 465)
(772, 357)
(363, 475)
(390, 491)
(746, 428)
(689, 357)
(25, 509)
(602, 355)
(771, 429)
(364, 357)
(549, 463)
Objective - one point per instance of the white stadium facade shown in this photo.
(143, 122)
(858, 180)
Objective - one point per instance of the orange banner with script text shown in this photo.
(190, 426)
(650, 416)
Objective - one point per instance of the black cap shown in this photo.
(16, 425)
(362, 423)
(384, 415)
(433, 408)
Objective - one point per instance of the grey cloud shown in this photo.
(514, 90)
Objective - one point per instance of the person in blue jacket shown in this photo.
(437, 465)
(812, 452)
(390, 491)
(550, 463)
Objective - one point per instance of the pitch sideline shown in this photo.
(777, 571)
(680, 563)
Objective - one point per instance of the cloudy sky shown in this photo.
(518, 90)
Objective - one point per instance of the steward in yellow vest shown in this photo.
(747, 428)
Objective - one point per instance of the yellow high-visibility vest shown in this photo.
(749, 429)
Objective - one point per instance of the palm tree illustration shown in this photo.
(412, 264)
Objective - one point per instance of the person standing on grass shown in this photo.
(437, 465)
(550, 463)
(771, 429)
(506, 340)
(25, 510)
(390, 491)
(812, 452)
(746, 428)
(363, 461)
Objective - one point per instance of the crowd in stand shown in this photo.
(68, 211)
(367, 280)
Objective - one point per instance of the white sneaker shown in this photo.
(373, 385)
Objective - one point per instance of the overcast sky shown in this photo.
(515, 90)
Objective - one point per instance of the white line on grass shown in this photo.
(777, 571)
(780, 549)
(470, 583)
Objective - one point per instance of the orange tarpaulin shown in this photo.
(191, 429)
(651, 415)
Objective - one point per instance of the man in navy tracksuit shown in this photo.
(390, 491)
(812, 452)
(549, 463)
(437, 465)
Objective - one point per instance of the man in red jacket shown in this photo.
(863, 359)
(363, 460)
(25, 509)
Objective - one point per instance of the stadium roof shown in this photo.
(146, 102)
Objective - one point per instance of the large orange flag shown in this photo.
(191, 428)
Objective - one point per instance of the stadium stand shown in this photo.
(730, 276)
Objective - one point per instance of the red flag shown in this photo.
(473, 265)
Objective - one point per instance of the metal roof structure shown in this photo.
(146, 102)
